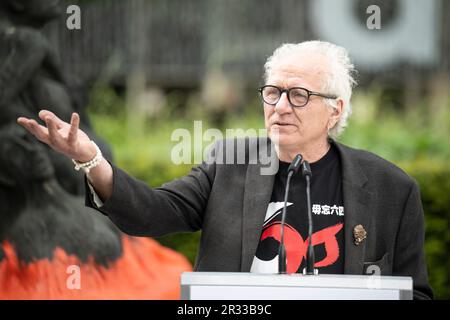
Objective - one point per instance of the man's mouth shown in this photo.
(281, 123)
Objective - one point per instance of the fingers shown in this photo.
(73, 132)
(22, 121)
(55, 138)
(37, 130)
(51, 135)
(45, 114)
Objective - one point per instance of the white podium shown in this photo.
(252, 286)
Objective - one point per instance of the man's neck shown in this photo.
(311, 152)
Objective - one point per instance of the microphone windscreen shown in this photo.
(306, 169)
(295, 164)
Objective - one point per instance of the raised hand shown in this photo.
(63, 137)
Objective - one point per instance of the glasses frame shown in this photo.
(310, 93)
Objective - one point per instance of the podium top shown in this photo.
(296, 280)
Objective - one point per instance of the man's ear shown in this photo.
(336, 113)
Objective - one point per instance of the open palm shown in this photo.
(63, 137)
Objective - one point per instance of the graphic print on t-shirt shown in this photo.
(296, 246)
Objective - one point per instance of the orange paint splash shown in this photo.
(146, 270)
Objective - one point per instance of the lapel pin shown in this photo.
(359, 234)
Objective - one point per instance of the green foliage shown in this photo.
(416, 140)
(187, 243)
(419, 133)
(434, 180)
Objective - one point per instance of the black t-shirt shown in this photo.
(328, 219)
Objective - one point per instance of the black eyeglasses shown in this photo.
(297, 96)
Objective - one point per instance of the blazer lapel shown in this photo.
(357, 204)
(257, 194)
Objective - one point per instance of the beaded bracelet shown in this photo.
(87, 166)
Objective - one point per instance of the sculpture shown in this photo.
(44, 226)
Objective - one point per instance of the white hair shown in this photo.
(339, 79)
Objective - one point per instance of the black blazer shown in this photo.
(228, 203)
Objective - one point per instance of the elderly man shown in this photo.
(366, 211)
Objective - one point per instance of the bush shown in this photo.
(434, 181)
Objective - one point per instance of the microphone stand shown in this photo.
(310, 258)
(293, 168)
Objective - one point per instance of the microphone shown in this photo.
(295, 164)
(293, 168)
(310, 259)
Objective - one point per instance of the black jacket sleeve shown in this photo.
(409, 249)
(139, 210)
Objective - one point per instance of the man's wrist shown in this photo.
(90, 155)
(88, 165)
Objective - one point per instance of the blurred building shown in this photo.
(175, 43)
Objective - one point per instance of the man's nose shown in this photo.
(283, 105)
